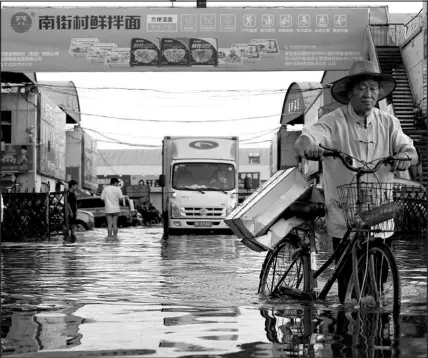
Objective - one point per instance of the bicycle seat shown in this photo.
(305, 210)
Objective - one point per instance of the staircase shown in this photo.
(391, 63)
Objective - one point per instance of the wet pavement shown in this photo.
(186, 296)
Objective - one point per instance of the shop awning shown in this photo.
(298, 99)
(64, 95)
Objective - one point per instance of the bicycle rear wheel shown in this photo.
(287, 266)
(378, 278)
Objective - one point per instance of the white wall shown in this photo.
(413, 56)
(262, 169)
(424, 44)
(74, 148)
(129, 169)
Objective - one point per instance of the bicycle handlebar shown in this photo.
(347, 161)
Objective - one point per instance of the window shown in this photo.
(203, 176)
(254, 176)
(6, 126)
(90, 203)
(254, 158)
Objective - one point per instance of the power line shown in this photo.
(120, 142)
(140, 145)
(244, 92)
(65, 88)
(160, 120)
(114, 140)
(267, 131)
(107, 164)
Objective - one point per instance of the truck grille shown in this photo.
(198, 212)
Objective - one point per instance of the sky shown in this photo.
(194, 96)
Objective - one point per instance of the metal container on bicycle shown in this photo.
(261, 209)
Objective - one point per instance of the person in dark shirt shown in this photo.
(72, 207)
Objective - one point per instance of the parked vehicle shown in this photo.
(200, 182)
(137, 219)
(95, 205)
(86, 219)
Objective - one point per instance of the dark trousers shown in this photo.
(343, 278)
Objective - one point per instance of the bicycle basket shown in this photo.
(384, 207)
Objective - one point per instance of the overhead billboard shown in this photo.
(181, 39)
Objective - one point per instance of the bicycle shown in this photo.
(369, 208)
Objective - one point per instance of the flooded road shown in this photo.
(140, 295)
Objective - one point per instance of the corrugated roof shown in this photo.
(119, 157)
(400, 18)
(129, 157)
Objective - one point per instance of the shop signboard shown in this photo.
(149, 179)
(110, 39)
(16, 158)
(52, 139)
(138, 191)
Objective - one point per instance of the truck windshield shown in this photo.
(203, 176)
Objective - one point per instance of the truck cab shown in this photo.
(199, 182)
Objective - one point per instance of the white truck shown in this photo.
(199, 182)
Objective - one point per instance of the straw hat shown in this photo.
(359, 70)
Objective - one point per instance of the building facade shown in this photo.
(37, 152)
(81, 160)
(81, 148)
(33, 138)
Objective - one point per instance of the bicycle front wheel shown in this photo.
(378, 278)
(287, 266)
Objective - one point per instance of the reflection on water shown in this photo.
(230, 331)
(187, 295)
(308, 332)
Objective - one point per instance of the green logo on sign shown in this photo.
(21, 22)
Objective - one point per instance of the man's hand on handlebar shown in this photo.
(314, 152)
(401, 162)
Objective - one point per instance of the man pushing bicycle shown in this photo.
(361, 131)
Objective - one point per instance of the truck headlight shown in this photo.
(175, 211)
(230, 207)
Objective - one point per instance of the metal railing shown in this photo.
(395, 34)
(415, 23)
(388, 34)
(34, 214)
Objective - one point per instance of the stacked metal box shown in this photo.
(259, 211)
